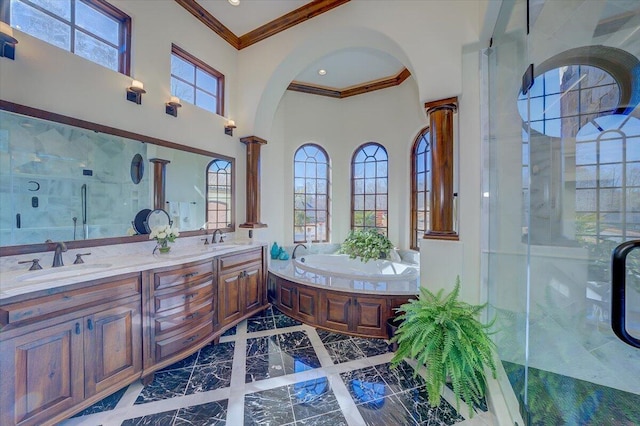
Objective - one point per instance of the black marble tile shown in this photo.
(158, 419)
(330, 336)
(334, 418)
(262, 345)
(107, 404)
(260, 324)
(343, 351)
(230, 332)
(417, 403)
(384, 412)
(219, 352)
(187, 362)
(270, 407)
(298, 360)
(365, 385)
(209, 414)
(312, 398)
(210, 377)
(165, 385)
(400, 378)
(267, 313)
(264, 367)
(371, 347)
(283, 321)
(293, 340)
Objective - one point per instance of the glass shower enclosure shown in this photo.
(563, 87)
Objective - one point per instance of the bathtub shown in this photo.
(340, 265)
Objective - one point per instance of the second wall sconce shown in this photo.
(135, 91)
(7, 42)
(228, 128)
(172, 106)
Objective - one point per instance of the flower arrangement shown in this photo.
(164, 235)
(367, 244)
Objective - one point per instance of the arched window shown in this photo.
(311, 194)
(420, 186)
(369, 187)
(220, 195)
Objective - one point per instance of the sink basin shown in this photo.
(63, 272)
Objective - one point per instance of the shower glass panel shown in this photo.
(574, 138)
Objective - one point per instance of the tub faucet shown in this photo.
(293, 253)
(57, 255)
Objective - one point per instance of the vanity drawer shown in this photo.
(167, 347)
(182, 317)
(185, 297)
(58, 304)
(240, 260)
(183, 275)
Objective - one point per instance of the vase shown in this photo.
(163, 247)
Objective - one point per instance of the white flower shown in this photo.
(162, 235)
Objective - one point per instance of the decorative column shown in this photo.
(441, 135)
(159, 182)
(253, 144)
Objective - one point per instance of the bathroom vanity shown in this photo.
(69, 339)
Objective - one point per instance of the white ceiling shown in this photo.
(344, 68)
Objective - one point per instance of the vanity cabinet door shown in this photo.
(113, 347)
(230, 297)
(336, 309)
(369, 316)
(42, 374)
(253, 287)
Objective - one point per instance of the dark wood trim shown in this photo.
(159, 182)
(453, 102)
(210, 21)
(295, 17)
(46, 115)
(188, 57)
(253, 144)
(371, 86)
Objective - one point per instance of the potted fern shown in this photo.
(445, 336)
(366, 245)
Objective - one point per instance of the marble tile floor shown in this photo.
(273, 370)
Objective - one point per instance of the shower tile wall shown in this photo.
(43, 167)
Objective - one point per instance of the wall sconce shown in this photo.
(172, 106)
(135, 91)
(7, 42)
(228, 128)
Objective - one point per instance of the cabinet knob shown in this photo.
(77, 328)
(90, 324)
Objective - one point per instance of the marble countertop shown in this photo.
(111, 262)
(286, 269)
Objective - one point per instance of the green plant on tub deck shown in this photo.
(367, 245)
(445, 336)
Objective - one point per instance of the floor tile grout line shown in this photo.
(235, 406)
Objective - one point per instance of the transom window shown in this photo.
(220, 195)
(311, 194)
(420, 185)
(369, 188)
(93, 29)
(196, 82)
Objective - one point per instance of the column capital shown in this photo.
(448, 103)
(253, 139)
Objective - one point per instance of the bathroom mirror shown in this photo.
(64, 179)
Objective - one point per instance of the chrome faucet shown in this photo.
(213, 236)
(57, 255)
(293, 253)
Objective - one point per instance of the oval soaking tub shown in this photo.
(341, 294)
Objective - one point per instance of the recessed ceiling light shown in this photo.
(234, 2)
(322, 72)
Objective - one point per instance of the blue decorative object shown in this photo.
(283, 254)
(275, 250)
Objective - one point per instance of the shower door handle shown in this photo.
(618, 292)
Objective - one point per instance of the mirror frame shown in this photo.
(63, 119)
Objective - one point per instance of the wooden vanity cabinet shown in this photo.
(65, 351)
(241, 285)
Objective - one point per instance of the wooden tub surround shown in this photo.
(66, 347)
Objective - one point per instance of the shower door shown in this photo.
(563, 95)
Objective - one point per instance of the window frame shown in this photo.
(376, 194)
(101, 6)
(328, 194)
(197, 63)
(232, 198)
(423, 135)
